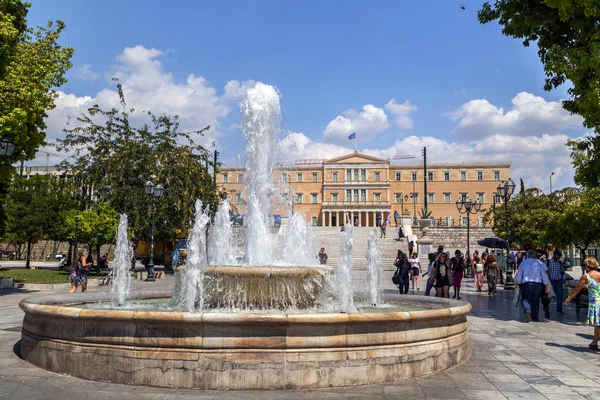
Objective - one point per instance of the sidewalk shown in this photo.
(510, 360)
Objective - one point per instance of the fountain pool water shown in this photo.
(275, 321)
(122, 263)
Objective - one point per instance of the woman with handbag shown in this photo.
(477, 271)
(79, 271)
(492, 274)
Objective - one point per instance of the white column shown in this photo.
(367, 217)
(352, 218)
(374, 218)
(323, 218)
(330, 218)
(360, 218)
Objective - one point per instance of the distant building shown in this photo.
(364, 186)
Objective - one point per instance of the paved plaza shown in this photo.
(510, 359)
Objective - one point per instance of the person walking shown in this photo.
(411, 247)
(382, 227)
(458, 269)
(441, 271)
(556, 268)
(430, 276)
(531, 278)
(491, 270)
(400, 234)
(397, 218)
(415, 265)
(477, 271)
(403, 270)
(591, 279)
(378, 219)
(79, 270)
(323, 256)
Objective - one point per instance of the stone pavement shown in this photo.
(510, 359)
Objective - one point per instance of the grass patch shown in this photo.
(48, 276)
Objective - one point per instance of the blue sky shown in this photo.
(458, 82)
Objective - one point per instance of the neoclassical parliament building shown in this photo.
(362, 186)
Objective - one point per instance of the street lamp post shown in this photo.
(466, 206)
(505, 191)
(156, 191)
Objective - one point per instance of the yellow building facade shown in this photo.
(364, 188)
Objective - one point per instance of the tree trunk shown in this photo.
(28, 262)
(69, 255)
(98, 259)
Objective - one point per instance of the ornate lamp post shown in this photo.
(466, 206)
(7, 148)
(505, 191)
(156, 191)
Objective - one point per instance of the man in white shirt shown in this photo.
(531, 278)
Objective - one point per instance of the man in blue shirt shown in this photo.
(557, 270)
(531, 279)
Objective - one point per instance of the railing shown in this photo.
(357, 202)
(456, 223)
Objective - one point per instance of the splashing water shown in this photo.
(221, 249)
(121, 265)
(344, 272)
(188, 293)
(261, 114)
(298, 242)
(372, 288)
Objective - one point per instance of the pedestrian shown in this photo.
(403, 271)
(556, 268)
(382, 228)
(458, 269)
(491, 270)
(323, 256)
(174, 259)
(468, 263)
(430, 276)
(79, 270)
(397, 218)
(439, 251)
(411, 247)
(378, 219)
(415, 265)
(477, 271)
(531, 279)
(520, 259)
(441, 271)
(400, 234)
(591, 279)
(388, 220)
(103, 262)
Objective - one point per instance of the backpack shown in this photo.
(396, 276)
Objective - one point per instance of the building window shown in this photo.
(448, 221)
(447, 198)
(479, 175)
(463, 175)
(497, 198)
(299, 198)
(348, 195)
(348, 175)
(463, 221)
(413, 176)
(314, 198)
(479, 221)
(314, 221)
(398, 197)
(334, 197)
(356, 175)
(446, 176)
(363, 194)
(430, 176)
(376, 196)
(363, 175)
(314, 177)
(430, 198)
(334, 176)
(463, 196)
(398, 176)
(240, 177)
(225, 178)
(299, 177)
(238, 198)
(496, 175)
(355, 198)
(284, 178)
(481, 197)
(377, 176)
(415, 197)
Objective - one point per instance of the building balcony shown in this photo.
(358, 204)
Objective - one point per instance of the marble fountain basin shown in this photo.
(251, 350)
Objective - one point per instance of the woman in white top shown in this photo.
(416, 270)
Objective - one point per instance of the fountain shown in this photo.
(121, 275)
(373, 285)
(276, 320)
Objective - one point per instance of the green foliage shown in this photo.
(522, 186)
(47, 276)
(32, 65)
(580, 223)
(116, 159)
(568, 39)
(97, 226)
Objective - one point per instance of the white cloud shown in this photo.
(533, 157)
(234, 90)
(529, 115)
(85, 73)
(401, 111)
(367, 124)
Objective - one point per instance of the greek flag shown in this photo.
(352, 136)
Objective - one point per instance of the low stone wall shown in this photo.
(241, 351)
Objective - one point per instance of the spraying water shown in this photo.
(299, 242)
(373, 257)
(261, 114)
(188, 295)
(121, 265)
(221, 249)
(344, 272)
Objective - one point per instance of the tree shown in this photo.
(32, 66)
(522, 187)
(580, 223)
(113, 161)
(568, 39)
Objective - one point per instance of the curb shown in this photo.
(52, 286)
